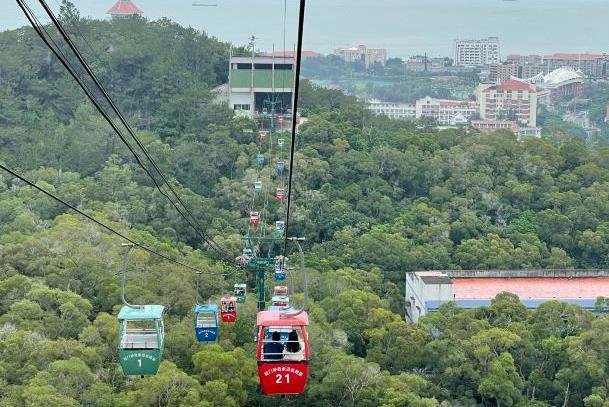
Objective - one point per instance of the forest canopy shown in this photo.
(374, 199)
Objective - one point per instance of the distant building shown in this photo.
(510, 100)
(445, 112)
(426, 291)
(123, 9)
(503, 72)
(524, 59)
(369, 56)
(593, 65)
(400, 111)
(489, 126)
(260, 84)
(292, 54)
(477, 52)
(421, 63)
(559, 84)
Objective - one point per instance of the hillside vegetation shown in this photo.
(374, 199)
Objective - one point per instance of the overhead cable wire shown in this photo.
(104, 226)
(61, 57)
(130, 130)
(301, 15)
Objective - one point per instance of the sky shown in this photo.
(404, 27)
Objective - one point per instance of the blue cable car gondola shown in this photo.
(281, 264)
(280, 166)
(260, 158)
(206, 322)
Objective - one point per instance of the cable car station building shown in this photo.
(261, 86)
(426, 291)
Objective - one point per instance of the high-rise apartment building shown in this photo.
(477, 52)
(510, 100)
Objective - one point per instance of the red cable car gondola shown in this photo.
(280, 194)
(280, 290)
(283, 352)
(254, 218)
(228, 309)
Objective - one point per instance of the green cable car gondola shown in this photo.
(240, 291)
(141, 334)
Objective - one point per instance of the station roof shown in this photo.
(143, 313)
(278, 318)
(547, 288)
(124, 8)
(262, 60)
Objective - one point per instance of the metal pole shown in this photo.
(124, 275)
(305, 287)
(260, 284)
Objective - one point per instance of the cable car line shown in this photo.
(122, 119)
(103, 225)
(301, 15)
(59, 54)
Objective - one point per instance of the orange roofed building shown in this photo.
(124, 8)
(510, 100)
(426, 291)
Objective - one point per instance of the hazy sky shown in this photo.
(405, 27)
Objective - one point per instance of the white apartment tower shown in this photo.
(477, 52)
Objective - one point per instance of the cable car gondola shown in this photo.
(280, 166)
(228, 309)
(206, 322)
(254, 218)
(257, 186)
(260, 159)
(141, 337)
(280, 300)
(240, 291)
(282, 352)
(281, 263)
(280, 142)
(279, 194)
(262, 135)
(280, 290)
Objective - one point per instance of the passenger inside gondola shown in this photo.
(273, 350)
(293, 348)
(230, 307)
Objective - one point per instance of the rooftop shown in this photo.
(262, 60)
(561, 75)
(277, 318)
(512, 84)
(564, 56)
(145, 312)
(548, 288)
(292, 54)
(206, 308)
(124, 8)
